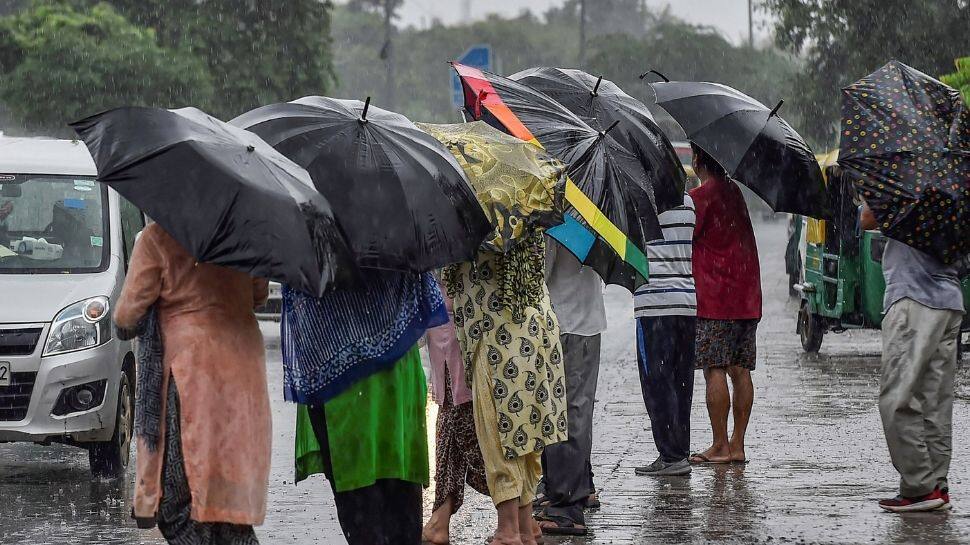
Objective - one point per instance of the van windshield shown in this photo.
(52, 224)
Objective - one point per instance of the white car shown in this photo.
(64, 246)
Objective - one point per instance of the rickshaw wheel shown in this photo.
(810, 330)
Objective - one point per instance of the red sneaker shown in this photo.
(946, 500)
(900, 504)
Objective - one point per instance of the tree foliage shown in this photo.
(61, 62)
(617, 48)
(257, 52)
(690, 53)
(843, 40)
(960, 79)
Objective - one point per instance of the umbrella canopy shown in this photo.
(613, 210)
(221, 192)
(603, 103)
(518, 184)
(753, 144)
(906, 143)
(400, 196)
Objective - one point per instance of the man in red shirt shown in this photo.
(728, 283)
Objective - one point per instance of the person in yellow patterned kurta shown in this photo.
(509, 336)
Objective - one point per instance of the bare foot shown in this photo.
(502, 539)
(713, 455)
(435, 532)
(737, 452)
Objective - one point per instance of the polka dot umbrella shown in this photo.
(905, 141)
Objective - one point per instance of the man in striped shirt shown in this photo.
(666, 311)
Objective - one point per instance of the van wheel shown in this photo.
(810, 330)
(110, 458)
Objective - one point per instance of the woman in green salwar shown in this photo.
(351, 361)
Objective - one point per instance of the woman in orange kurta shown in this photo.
(214, 358)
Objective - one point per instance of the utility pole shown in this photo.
(582, 33)
(388, 54)
(751, 24)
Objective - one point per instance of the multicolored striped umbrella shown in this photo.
(613, 211)
(600, 102)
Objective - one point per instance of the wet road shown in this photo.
(818, 460)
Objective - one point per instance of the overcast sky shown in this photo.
(730, 17)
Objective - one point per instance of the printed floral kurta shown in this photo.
(524, 353)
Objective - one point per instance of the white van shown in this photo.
(64, 246)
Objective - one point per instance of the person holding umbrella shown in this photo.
(509, 335)
(351, 360)
(220, 196)
(350, 357)
(727, 278)
(519, 187)
(734, 137)
(923, 310)
(906, 143)
(213, 464)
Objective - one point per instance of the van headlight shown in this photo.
(83, 325)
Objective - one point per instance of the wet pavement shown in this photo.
(818, 460)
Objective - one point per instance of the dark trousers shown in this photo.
(665, 354)
(387, 512)
(567, 471)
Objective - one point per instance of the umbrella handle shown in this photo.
(610, 128)
(663, 77)
(776, 108)
(363, 114)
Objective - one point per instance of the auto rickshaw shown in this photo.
(838, 268)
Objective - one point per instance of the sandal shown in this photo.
(563, 526)
(704, 460)
(540, 502)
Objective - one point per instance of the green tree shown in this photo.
(60, 63)
(424, 79)
(960, 79)
(686, 52)
(388, 12)
(257, 52)
(843, 40)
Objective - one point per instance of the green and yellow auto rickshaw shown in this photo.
(838, 269)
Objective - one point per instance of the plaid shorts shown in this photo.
(723, 343)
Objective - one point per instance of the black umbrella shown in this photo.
(614, 214)
(602, 102)
(224, 194)
(906, 143)
(753, 144)
(398, 193)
